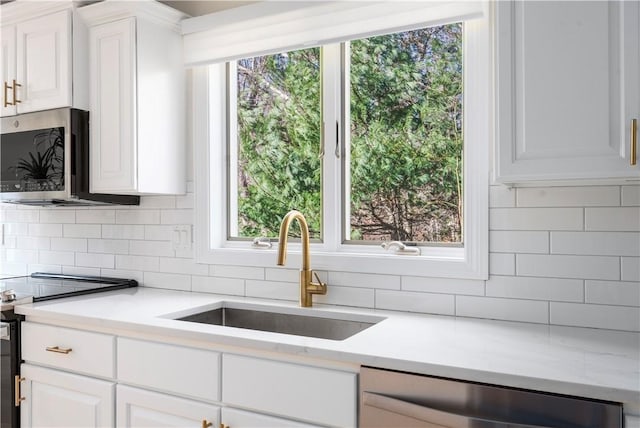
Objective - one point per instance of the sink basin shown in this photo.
(319, 324)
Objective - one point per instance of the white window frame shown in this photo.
(210, 146)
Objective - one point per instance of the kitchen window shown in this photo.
(371, 138)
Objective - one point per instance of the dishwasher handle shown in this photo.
(434, 416)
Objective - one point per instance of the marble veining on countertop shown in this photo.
(602, 364)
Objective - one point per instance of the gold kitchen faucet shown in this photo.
(307, 287)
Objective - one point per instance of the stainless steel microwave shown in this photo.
(44, 160)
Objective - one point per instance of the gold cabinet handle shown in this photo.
(16, 85)
(17, 379)
(6, 95)
(58, 350)
(206, 423)
(634, 142)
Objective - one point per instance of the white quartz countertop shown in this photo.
(592, 363)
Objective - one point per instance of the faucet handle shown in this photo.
(318, 279)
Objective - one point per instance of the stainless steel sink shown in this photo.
(324, 325)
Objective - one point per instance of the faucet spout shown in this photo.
(307, 287)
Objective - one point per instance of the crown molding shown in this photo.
(113, 10)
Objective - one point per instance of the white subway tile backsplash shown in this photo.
(630, 268)
(185, 201)
(503, 309)
(624, 219)
(347, 296)
(13, 268)
(16, 229)
(96, 216)
(600, 316)
(561, 266)
(58, 258)
(151, 248)
(207, 284)
(9, 241)
(430, 303)
(143, 263)
(535, 219)
(176, 217)
(272, 290)
(69, 244)
(21, 216)
(169, 281)
(513, 287)
(158, 233)
(138, 217)
(186, 266)
(122, 273)
(551, 245)
(631, 196)
(12, 255)
(442, 285)
(507, 241)
(596, 243)
(76, 270)
(109, 246)
(82, 230)
(613, 292)
(282, 275)
(502, 197)
(348, 279)
(31, 268)
(57, 216)
(33, 242)
(122, 231)
(502, 264)
(603, 196)
(158, 202)
(36, 229)
(242, 272)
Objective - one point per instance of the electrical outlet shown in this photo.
(181, 237)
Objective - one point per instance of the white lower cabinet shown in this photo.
(139, 408)
(57, 399)
(313, 394)
(127, 382)
(234, 418)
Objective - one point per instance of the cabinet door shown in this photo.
(232, 418)
(139, 408)
(44, 62)
(567, 77)
(112, 66)
(58, 399)
(8, 68)
(282, 388)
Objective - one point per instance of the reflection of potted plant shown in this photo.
(45, 168)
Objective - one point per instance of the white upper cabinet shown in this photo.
(567, 81)
(37, 59)
(137, 98)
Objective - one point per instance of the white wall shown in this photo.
(559, 255)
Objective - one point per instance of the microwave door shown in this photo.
(34, 156)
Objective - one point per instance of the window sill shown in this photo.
(448, 263)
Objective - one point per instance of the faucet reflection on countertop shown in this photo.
(307, 287)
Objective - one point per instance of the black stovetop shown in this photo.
(39, 286)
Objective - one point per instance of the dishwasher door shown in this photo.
(394, 399)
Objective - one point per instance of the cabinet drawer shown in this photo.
(185, 371)
(237, 418)
(290, 390)
(75, 350)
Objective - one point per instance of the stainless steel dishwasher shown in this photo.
(397, 400)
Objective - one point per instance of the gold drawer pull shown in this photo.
(16, 85)
(17, 379)
(206, 423)
(58, 349)
(6, 95)
(634, 141)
